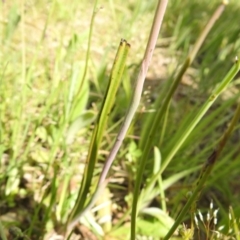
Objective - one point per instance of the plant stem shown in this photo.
(157, 22)
(207, 29)
(131, 111)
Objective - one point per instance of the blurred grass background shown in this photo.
(43, 52)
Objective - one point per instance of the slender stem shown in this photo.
(88, 47)
(157, 22)
(207, 29)
(138, 89)
(132, 109)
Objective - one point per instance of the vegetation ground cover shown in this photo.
(45, 142)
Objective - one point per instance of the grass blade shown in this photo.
(206, 170)
(216, 92)
(109, 99)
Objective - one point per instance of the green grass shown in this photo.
(49, 106)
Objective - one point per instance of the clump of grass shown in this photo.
(51, 94)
